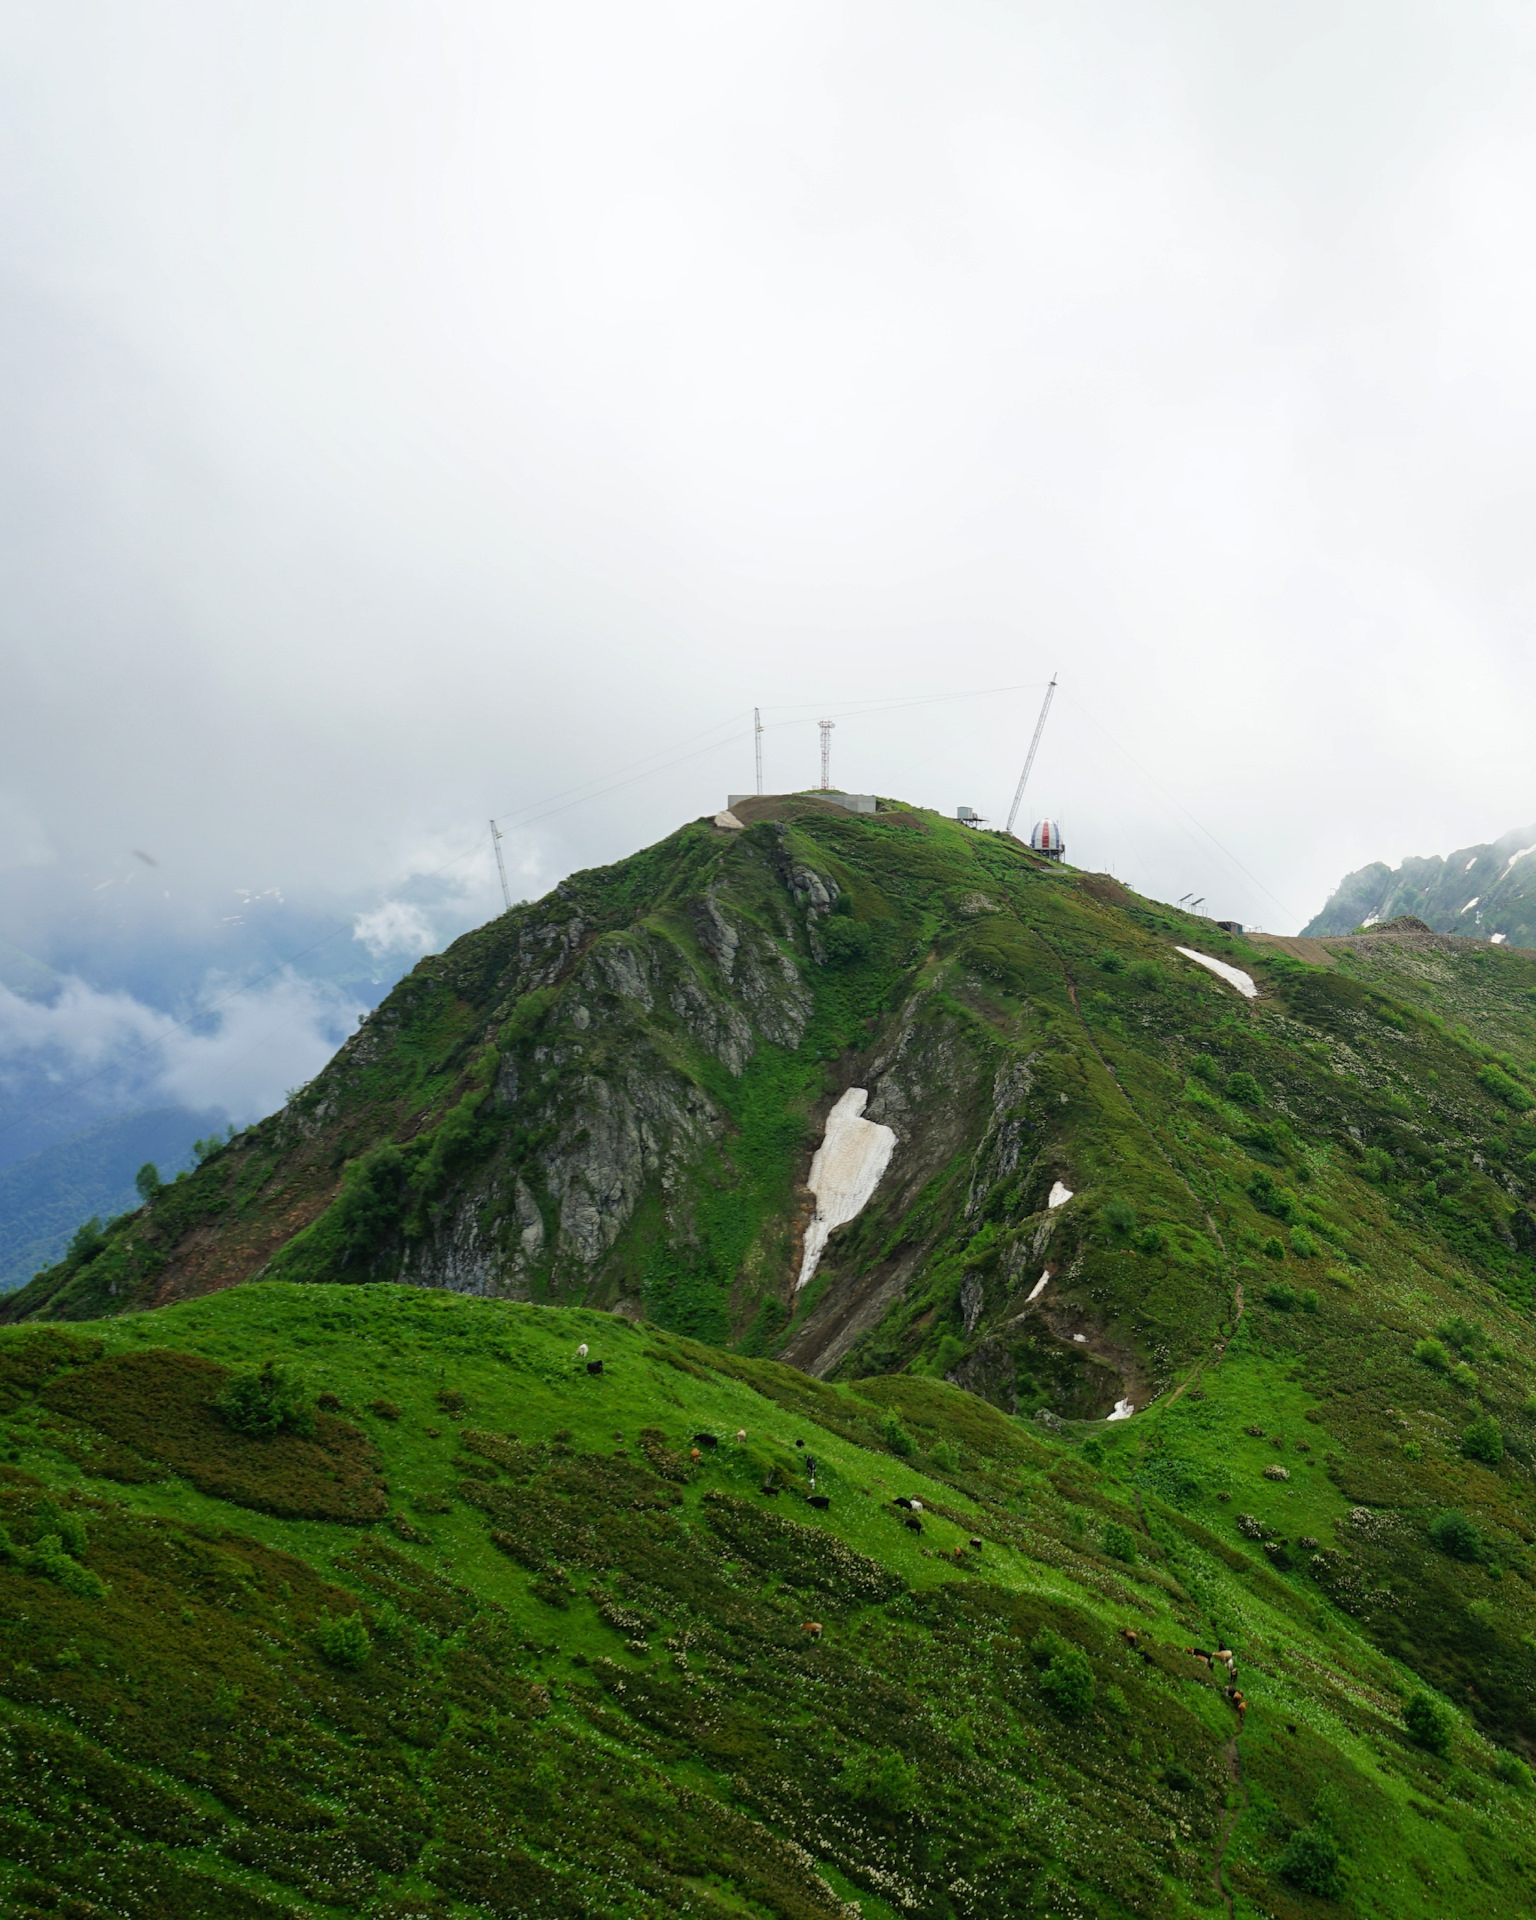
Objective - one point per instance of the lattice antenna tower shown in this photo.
(757, 743)
(826, 753)
(501, 865)
(1029, 761)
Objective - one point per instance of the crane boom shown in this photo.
(1029, 761)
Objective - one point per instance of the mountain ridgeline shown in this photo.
(1144, 1524)
(1483, 893)
(611, 1098)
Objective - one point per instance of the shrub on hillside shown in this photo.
(1430, 1723)
(1504, 1087)
(1068, 1684)
(1119, 1542)
(344, 1643)
(1280, 1295)
(883, 1781)
(147, 1181)
(1118, 1218)
(1430, 1353)
(1454, 1534)
(846, 941)
(1302, 1244)
(265, 1400)
(896, 1437)
(1464, 1377)
(1310, 1863)
(1243, 1088)
(1513, 1771)
(1376, 1164)
(1484, 1440)
(1204, 1067)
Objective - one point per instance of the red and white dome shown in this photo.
(1046, 837)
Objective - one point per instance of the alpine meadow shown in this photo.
(443, 1501)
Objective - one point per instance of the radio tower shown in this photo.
(826, 753)
(757, 742)
(501, 865)
(1029, 761)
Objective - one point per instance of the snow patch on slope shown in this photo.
(845, 1170)
(1234, 976)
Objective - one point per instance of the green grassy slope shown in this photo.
(588, 1685)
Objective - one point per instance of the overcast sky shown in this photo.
(414, 413)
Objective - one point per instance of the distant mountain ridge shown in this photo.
(1484, 893)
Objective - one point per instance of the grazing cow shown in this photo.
(581, 1351)
(813, 1628)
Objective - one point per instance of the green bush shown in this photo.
(1302, 1244)
(1118, 1217)
(1068, 1684)
(1463, 1376)
(882, 1780)
(1118, 1542)
(1505, 1088)
(67, 1528)
(1307, 1300)
(1280, 1295)
(268, 1399)
(1108, 961)
(147, 1181)
(896, 1437)
(1273, 1248)
(1484, 1440)
(1462, 1334)
(49, 1559)
(1204, 1067)
(1430, 1353)
(1454, 1534)
(1149, 1240)
(1430, 1723)
(846, 941)
(344, 1642)
(949, 1353)
(1513, 1771)
(1092, 1450)
(88, 1239)
(1310, 1863)
(946, 1455)
(1243, 1088)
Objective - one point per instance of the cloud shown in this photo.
(396, 927)
(239, 1055)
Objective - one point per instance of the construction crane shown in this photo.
(1013, 811)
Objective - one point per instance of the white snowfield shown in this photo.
(1234, 976)
(1516, 856)
(1059, 1195)
(845, 1170)
(1123, 1411)
(1039, 1287)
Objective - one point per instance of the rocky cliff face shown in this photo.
(611, 1098)
(1486, 893)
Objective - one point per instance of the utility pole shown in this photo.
(826, 753)
(1013, 812)
(757, 743)
(501, 865)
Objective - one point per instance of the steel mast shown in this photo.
(1034, 745)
